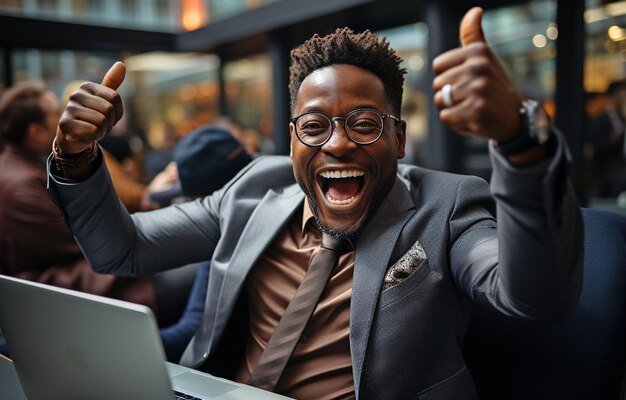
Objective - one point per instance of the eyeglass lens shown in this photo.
(361, 126)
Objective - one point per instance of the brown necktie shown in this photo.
(274, 358)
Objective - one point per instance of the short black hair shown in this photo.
(19, 107)
(364, 50)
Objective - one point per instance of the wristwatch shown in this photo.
(535, 130)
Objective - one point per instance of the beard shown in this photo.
(350, 235)
(375, 200)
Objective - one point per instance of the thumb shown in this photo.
(115, 76)
(471, 30)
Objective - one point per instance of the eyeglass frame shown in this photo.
(383, 117)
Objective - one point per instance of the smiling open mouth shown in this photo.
(342, 187)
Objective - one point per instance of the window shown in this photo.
(411, 43)
(604, 172)
(249, 98)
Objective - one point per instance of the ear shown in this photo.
(292, 133)
(34, 133)
(38, 138)
(400, 138)
(33, 128)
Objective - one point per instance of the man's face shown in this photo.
(342, 205)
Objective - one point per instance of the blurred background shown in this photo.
(193, 62)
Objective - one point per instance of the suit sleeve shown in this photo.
(530, 264)
(115, 242)
(40, 247)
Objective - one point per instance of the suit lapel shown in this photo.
(373, 250)
(268, 219)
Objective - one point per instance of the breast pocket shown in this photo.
(405, 276)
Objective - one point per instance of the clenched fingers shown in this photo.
(96, 107)
(92, 111)
(110, 96)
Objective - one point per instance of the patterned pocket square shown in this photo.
(405, 266)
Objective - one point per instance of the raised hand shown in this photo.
(91, 112)
(482, 101)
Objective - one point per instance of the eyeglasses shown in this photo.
(363, 126)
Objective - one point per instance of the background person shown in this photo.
(35, 243)
(606, 135)
(208, 158)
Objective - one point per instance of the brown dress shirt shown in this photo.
(321, 366)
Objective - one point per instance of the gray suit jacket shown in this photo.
(405, 340)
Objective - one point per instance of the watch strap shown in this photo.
(528, 138)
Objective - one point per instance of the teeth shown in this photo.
(341, 202)
(337, 174)
(351, 173)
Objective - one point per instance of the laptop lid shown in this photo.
(72, 345)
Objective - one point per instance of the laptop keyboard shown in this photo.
(183, 396)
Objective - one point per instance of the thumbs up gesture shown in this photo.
(472, 89)
(91, 112)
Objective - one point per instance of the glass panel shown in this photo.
(173, 94)
(411, 43)
(59, 68)
(47, 5)
(604, 151)
(248, 94)
(11, 5)
(219, 10)
(159, 15)
(524, 39)
(165, 95)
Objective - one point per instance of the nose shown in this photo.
(339, 143)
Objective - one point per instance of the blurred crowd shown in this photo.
(35, 242)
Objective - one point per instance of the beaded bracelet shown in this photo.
(73, 161)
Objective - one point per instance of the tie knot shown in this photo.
(338, 245)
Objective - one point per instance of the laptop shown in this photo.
(71, 345)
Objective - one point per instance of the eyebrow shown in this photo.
(359, 107)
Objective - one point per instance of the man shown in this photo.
(35, 242)
(205, 160)
(421, 247)
(606, 135)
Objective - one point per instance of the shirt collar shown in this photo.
(307, 214)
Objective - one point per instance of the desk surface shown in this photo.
(10, 388)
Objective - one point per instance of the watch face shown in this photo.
(538, 122)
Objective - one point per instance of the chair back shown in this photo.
(583, 357)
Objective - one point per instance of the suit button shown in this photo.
(304, 337)
(205, 355)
